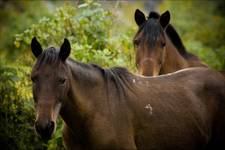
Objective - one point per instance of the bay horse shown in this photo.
(115, 109)
(159, 49)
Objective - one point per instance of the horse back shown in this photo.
(185, 108)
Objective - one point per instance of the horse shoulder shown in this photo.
(109, 131)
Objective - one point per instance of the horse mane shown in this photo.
(117, 72)
(176, 40)
(121, 78)
(151, 30)
(116, 79)
(154, 15)
(117, 75)
(48, 56)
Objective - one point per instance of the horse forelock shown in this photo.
(48, 56)
(154, 15)
(151, 32)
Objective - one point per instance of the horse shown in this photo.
(115, 109)
(159, 49)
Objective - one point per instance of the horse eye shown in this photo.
(163, 44)
(61, 81)
(34, 79)
(136, 42)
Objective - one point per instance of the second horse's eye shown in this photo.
(163, 44)
(136, 42)
(34, 79)
(61, 81)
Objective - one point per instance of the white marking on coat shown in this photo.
(149, 108)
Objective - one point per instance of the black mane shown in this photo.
(48, 56)
(151, 31)
(117, 72)
(117, 75)
(154, 15)
(176, 40)
(120, 78)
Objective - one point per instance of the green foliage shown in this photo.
(201, 29)
(16, 109)
(89, 29)
(15, 17)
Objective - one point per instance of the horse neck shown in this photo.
(173, 60)
(85, 83)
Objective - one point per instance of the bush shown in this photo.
(16, 109)
(89, 29)
(15, 17)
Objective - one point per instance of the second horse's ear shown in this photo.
(36, 47)
(139, 17)
(64, 50)
(165, 19)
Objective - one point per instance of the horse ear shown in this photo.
(165, 19)
(139, 17)
(64, 50)
(36, 47)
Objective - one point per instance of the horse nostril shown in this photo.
(45, 129)
(51, 125)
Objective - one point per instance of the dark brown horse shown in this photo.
(114, 109)
(159, 49)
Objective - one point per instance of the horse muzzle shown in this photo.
(149, 67)
(45, 129)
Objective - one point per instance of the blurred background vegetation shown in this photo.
(100, 32)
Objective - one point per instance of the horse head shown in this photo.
(50, 85)
(150, 42)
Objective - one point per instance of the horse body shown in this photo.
(114, 109)
(159, 49)
(179, 114)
